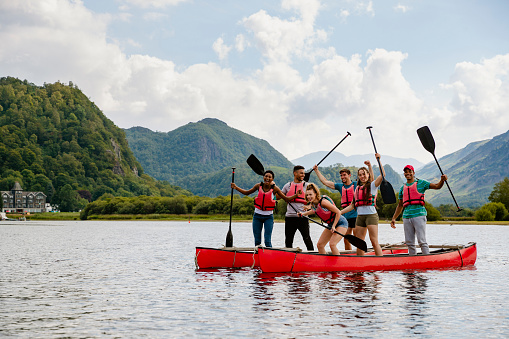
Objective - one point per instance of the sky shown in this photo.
(297, 73)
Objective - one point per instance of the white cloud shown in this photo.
(280, 40)
(479, 102)
(241, 43)
(221, 49)
(46, 41)
(153, 3)
(401, 8)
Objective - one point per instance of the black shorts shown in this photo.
(351, 222)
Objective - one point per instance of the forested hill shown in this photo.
(55, 140)
(198, 148)
(472, 172)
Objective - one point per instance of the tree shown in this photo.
(500, 192)
(491, 211)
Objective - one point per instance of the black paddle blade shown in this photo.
(426, 138)
(307, 175)
(255, 164)
(357, 242)
(388, 195)
(229, 238)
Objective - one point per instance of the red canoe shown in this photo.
(236, 257)
(280, 260)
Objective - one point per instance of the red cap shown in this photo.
(410, 167)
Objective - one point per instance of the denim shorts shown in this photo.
(341, 223)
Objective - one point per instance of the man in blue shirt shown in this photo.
(347, 188)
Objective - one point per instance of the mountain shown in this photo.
(55, 140)
(311, 159)
(188, 155)
(472, 172)
(199, 157)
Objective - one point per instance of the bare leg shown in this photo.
(373, 237)
(360, 232)
(335, 239)
(348, 246)
(324, 239)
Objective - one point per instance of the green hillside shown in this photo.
(191, 154)
(55, 140)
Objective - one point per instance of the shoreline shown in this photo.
(215, 217)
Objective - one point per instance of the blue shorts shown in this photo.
(341, 223)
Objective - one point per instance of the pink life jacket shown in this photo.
(347, 195)
(323, 213)
(294, 187)
(411, 196)
(265, 200)
(361, 199)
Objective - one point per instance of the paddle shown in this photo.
(388, 195)
(255, 164)
(308, 174)
(229, 235)
(357, 242)
(429, 144)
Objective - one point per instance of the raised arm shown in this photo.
(439, 184)
(246, 192)
(378, 179)
(324, 181)
(283, 196)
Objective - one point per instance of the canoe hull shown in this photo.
(225, 258)
(207, 257)
(274, 260)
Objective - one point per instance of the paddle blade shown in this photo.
(255, 164)
(307, 175)
(388, 195)
(229, 238)
(426, 138)
(357, 242)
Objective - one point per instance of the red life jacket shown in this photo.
(294, 187)
(265, 200)
(347, 195)
(323, 213)
(361, 199)
(411, 196)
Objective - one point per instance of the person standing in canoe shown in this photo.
(292, 220)
(364, 201)
(347, 189)
(265, 203)
(324, 208)
(411, 202)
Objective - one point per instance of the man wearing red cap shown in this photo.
(411, 202)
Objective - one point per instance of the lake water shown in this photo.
(138, 279)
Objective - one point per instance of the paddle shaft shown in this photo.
(428, 142)
(316, 222)
(229, 235)
(449, 187)
(339, 143)
(378, 159)
(306, 178)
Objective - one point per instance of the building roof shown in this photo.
(17, 187)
